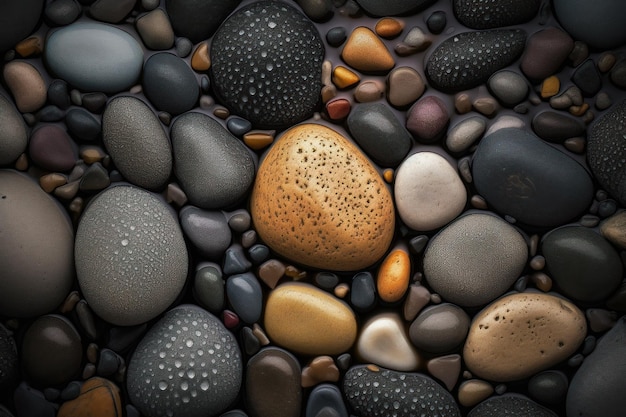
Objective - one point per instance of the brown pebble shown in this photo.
(338, 109)
(606, 62)
(417, 298)
(447, 369)
(295, 273)
(462, 103)
(600, 320)
(92, 353)
(259, 139)
(341, 290)
(369, 91)
(533, 244)
(30, 46)
(26, 85)
(478, 202)
(156, 30)
(221, 113)
(91, 154)
(388, 175)
(50, 182)
(271, 272)
(579, 110)
(538, 262)
(67, 191)
(248, 238)
(320, 369)
(98, 397)
(579, 53)
(259, 333)
(474, 391)
(404, 86)
(365, 52)
(70, 302)
(487, 106)
(344, 78)
(388, 27)
(576, 145)
(22, 163)
(550, 86)
(328, 93)
(200, 60)
(542, 281)
(89, 371)
(175, 194)
(614, 229)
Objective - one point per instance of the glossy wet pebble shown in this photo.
(187, 364)
(314, 180)
(510, 404)
(478, 14)
(475, 259)
(521, 334)
(39, 229)
(131, 258)
(440, 328)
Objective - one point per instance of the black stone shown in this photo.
(468, 59)
(31, 402)
(18, 19)
(363, 292)
(587, 78)
(121, 338)
(481, 14)
(238, 126)
(521, 176)
(258, 253)
(548, 387)
(326, 400)
(326, 280)
(235, 261)
(58, 94)
(556, 127)
(336, 36)
(437, 22)
(71, 391)
(267, 64)
(198, 19)
(234, 413)
(393, 7)
(82, 125)
(108, 362)
(510, 405)
(169, 83)
(62, 12)
(95, 102)
(50, 114)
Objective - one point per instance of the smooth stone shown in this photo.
(521, 334)
(214, 168)
(82, 125)
(98, 397)
(383, 341)
(366, 52)
(271, 271)
(510, 405)
(324, 397)
(473, 391)
(208, 287)
(317, 323)
(316, 10)
(587, 78)
(463, 135)
(95, 178)
(94, 102)
(38, 229)
(58, 94)
(394, 274)
(582, 263)
(605, 29)
(18, 21)
(606, 151)
(207, 230)
(26, 85)
(363, 292)
(51, 148)
(440, 328)
(108, 362)
(437, 22)
(345, 220)
(94, 57)
(245, 296)
(450, 68)
(475, 259)
(238, 126)
(183, 48)
(62, 12)
(13, 135)
(163, 73)
(377, 131)
(618, 74)
(111, 11)
(417, 298)
(428, 191)
(51, 351)
(198, 19)
(548, 387)
(404, 86)
(556, 127)
(336, 36)
(374, 391)
(275, 86)
(155, 30)
(521, 176)
(197, 353)
(478, 14)
(369, 91)
(545, 52)
(509, 87)
(446, 369)
(318, 370)
(258, 253)
(32, 402)
(273, 384)
(614, 229)
(131, 258)
(428, 119)
(9, 365)
(393, 7)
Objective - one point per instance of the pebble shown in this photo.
(155, 30)
(127, 241)
(450, 68)
(363, 292)
(344, 78)
(320, 369)
(187, 351)
(51, 351)
(473, 391)
(200, 60)
(388, 27)
(463, 135)
(587, 78)
(428, 191)
(326, 400)
(207, 230)
(556, 127)
(274, 86)
(317, 10)
(596, 385)
(163, 73)
(521, 334)
(510, 404)
(545, 52)
(582, 263)
(208, 287)
(29, 401)
(376, 392)
(111, 11)
(26, 85)
(235, 261)
(446, 369)
(393, 276)
(39, 228)
(352, 199)
(477, 14)
(273, 384)
(100, 58)
(475, 259)
(108, 362)
(336, 36)
(317, 324)
(437, 22)
(214, 168)
(383, 340)
(550, 87)
(393, 7)
(20, 20)
(96, 177)
(379, 133)
(417, 298)
(369, 91)
(198, 19)
(614, 229)
(245, 296)
(98, 397)
(136, 142)
(13, 135)
(82, 125)
(440, 329)
(404, 86)
(183, 47)
(509, 87)
(428, 119)
(94, 102)
(62, 12)
(514, 171)
(548, 387)
(366, 52)
(618, 74)
(414, 41)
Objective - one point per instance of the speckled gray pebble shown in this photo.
(13, 136)
(245, 296)
(187, 364)
(510, 405)
(131, 258)
(207, 230)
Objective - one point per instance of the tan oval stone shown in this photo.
(307, 320)
(318, 201)
(521, 334)
(365, 52)
(26, 85)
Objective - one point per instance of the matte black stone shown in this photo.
(437, 22)
(94, 102)
(111, 11)
(198, 19)
(121, 338)
(62, 12)
(325, 400)
(481, 14)
(169, 83)
(50, 114)
(510, 405)
(18, 19)
(259, 253)
(462, 62)
(326, 280)
(238, 126)
(393, 7)
(521, 176)
(587, 78)
(82, 125)
(336, 36)
(108, 362)
(268, 71)
(58, 94)
(548, 387)
(556, 127)
(363, 292)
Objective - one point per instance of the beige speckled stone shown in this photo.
(307, 320)
(521, 334)
(319, 201)
(365, 51)
(26, 85)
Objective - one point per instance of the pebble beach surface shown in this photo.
(316, 208)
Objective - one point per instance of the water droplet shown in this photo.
(124, 242)
(189, 343)
(162, 385)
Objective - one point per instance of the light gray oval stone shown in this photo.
(131, 257)
(214, 168)
(465, 133)
(509, 87)
(136, 142)
(207, 230)
(94, 57)
(13, 136)
(188, 364)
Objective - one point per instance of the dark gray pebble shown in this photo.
(363, 292)
(316, 10)
(440, 329)
(183, 47)
(245, 296)
(62, 12)
(207, 230)
(548, 387)
(234, 413)
(437, 22)
(326, 280)
(587, 78)
(479, 14)
(58, 94)
(19, 18)
(95, 178)
(50, 114)
(82, 125)
(209, 289)
(235, 261)
(258, 253)
(71, 391)
(121, 338)
(238, 126)
(169, 83)
(94, 102)
(393, 7)
(336, 36)
(510, 405)
(325, 400)
(618, 74)
(111, 11)
(198, 19)
(29, 401)
(556, 126)
(251, 344)
(108, 362)
(13, 134)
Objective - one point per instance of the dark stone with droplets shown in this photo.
(468, 59)
(267, 64)
(511, 405)
(489, 14)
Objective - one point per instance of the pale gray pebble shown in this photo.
(207, 230)
(509, 87)
(463, 135)
(208, 287)
(183, 47)
(245, 296)
(62, 12)
(235, 261)
(13, 135)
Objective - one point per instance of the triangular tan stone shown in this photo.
(365, 51)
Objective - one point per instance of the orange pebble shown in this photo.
(393, 275)
(388, 27)
(550, 87)
(344, 78)
(200, 60)
(338, 109)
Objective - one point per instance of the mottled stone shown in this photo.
(428, 119)
(478, 14)
(509, 87)
(62, 12)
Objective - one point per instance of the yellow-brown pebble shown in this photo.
(550, 87)
(98, 397)
(310, 321)
(388, 27)
(521, 334)
(365, 51)
(393, 275)
(259, 139)
(614, 229)
(320, 369)
(474, 391)
(200, 60)
(344, 78)
(30, 46)
(318, 200)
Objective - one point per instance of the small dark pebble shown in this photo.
(238, 126)
(71, 391)
(589, 345)
(437, 22)
(50, 114)
(82, 125)
(336, 36)
(258, 253)
(62, 12)
(587, 78)
(58, 94)
(326, 280)
(31, 402)
(363, 292)
(548, 387)
(235, 261)
(108, 362)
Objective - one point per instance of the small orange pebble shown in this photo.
(200, 60)
(338, 109)
(344, 78)
(51, 181)
(394, 274)
(342, 290)
(320, 369)
(550, 87)
(92, 154)
(98, 397)
(388, 175)
(388, 27)
(579, 110)
(29, 46)
(259, 139)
